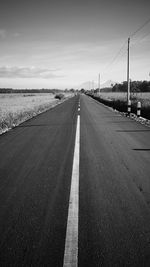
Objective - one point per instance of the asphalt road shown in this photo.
(114, 211)
(35, 175)
(114, 188)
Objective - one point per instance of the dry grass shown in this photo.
(16, 108)
(143, 97)
(113, 96)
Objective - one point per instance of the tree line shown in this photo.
(29, 91)
(135, 86)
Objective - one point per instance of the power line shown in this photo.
(122, 47)
(140, 39)
(140, 28)
(115, 57)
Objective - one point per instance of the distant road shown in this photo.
(36, 162)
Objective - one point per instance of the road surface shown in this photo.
(36, 162)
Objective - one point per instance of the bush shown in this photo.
(59, 96)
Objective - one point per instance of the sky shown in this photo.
(62, 44)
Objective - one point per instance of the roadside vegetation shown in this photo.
(118, 101)
(116, 97)
(59, 96)
(16, 108)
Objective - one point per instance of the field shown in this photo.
(143, 97)
(118, 101)
(16, 108)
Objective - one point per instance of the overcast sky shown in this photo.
(61, 44)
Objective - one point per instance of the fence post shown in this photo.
(138, 109)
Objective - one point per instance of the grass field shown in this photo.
(118, 101)
(143, 97)
(16, 108)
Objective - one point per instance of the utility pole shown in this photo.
(128, 70)
(99, 83)
(128, 80)
(92, 84)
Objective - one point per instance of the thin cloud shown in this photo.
(16, 34)
(26, 72)
(2, 33)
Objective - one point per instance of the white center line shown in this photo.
(71, 244)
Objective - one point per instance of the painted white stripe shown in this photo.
(71, 244)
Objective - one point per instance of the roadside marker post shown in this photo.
(138, 109)
(129, 107)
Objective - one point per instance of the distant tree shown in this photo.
(82, 90)
(134, 87)
(72, 90)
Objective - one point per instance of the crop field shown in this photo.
(16, 108)
(143, 97)
(113, 96)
